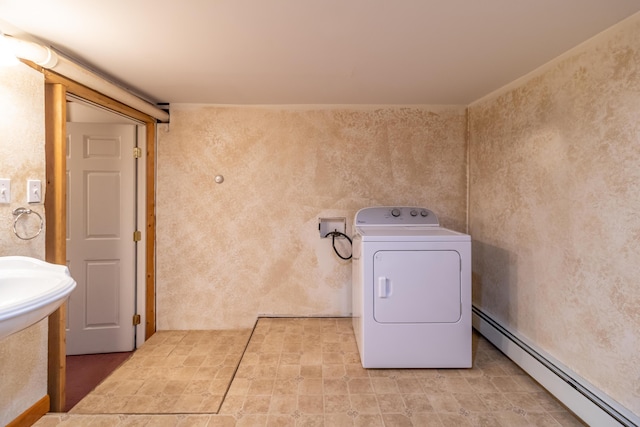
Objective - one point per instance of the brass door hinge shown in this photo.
(137, 152)
(137, 236)
(136, 319)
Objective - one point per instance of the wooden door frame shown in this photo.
(56, 89)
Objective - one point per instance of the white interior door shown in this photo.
(101, 220)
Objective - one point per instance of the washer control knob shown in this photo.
(424, 213)
(414, 212)
(395, 212)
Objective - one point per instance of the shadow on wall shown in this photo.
(449, 221)
(494, 281)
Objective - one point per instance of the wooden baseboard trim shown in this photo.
(33, 414)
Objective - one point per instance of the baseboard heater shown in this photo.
(589, 403)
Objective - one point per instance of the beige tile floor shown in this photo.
(306, 372)
(173, 372)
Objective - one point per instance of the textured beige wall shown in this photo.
(555, 209)
(229, 252)
(23, 356)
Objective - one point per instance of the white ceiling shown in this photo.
(313, 51)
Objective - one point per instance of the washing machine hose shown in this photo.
(335, 234)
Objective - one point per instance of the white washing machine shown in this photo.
(411, 290)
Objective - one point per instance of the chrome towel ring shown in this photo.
(22, 211)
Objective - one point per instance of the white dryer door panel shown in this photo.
(416, 286)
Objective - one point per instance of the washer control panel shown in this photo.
(396, 215)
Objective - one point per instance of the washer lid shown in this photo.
(408, 216)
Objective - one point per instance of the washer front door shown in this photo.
(417, 286)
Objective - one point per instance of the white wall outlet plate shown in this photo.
(327, 225)
(5, 190)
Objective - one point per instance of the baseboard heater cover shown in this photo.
(589, 403)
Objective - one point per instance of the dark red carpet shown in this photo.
(85, 372)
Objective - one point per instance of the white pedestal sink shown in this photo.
(30, 290)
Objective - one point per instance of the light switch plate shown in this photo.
(5, 190)
(34, 191)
